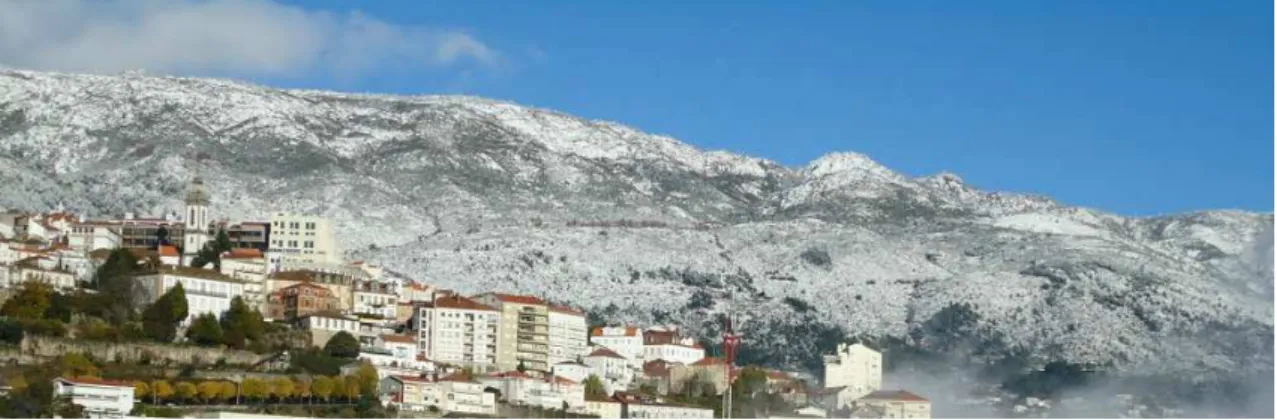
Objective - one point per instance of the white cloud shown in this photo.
(211, 37)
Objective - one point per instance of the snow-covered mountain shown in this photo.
(475, 194)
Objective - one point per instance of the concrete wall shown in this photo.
(37, 347)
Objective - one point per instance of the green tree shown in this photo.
(160, 320)
(240, 324)
(115, 284)
(342, 345)
(322, 387)
(594, 387)
(209, 390)
(223, 242)
(10, 332)
(75, 365)
(186, 391)
(30, 302)
(205, 330)
(60, 307)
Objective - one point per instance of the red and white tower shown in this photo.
(731, 341)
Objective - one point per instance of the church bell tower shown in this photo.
(196, 218)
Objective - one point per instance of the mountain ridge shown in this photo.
(475, 195)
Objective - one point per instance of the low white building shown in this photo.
(207, 291)
(894, 404)
(39, 269)
(604, 407)
(380, 303)
(682, 353)
(633, 407)
(88, 236)
(853, 371)
(455, 394)
(611, 368)
(396, 355)
(625, 341)
(552, 392)
(575, 371)
(100, 398)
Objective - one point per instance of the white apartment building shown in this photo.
(568, 334)
(852, 372)
(416, 292)
(458, 330)
(207, 291)
(88, 236)
(466, 396)
(625, 341)
(611, 368)
(100, 398)
(302, 238)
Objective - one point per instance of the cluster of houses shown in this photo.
(434, 349)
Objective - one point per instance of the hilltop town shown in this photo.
(292, 327)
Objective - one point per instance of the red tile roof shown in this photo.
(458, 302)
(893, 395)
(399, 339)
(605, 352)
(294, 275)
(243, 253)
(168, 251)
(561, 380)
(402, 378)
(521, 299)
(629, 331)
(510, 374)
(708, 361)
(94, 381)
(566, 310)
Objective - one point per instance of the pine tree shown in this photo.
(160, 320)
(115, 284)
(205, 330)
(223, 242)
(241, 324)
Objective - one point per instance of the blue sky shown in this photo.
(1135, 106)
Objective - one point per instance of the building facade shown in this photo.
(324, 325)
(625, 341)
(207, 291)
(856, 368)
(568, 334)
(458, 330)
(100, 398)
(303, 238)
(524, 332)
(196, 223)
(896, 404)
(299, 300)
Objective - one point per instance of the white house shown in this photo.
(552, 392)
(377, 302)
(895, 404)
(625, 341)
(603, 407)
(633, 407)
(466, 396)
(396, 355)
(324, 325)
(170, 256)
(575, 371)
(613, 369)
(416, 292)
(457, 330)
(568, 333)
(411, 393)
(207, 291)
(682, 353)
(856, 369)
(100, 398)
(40, 269)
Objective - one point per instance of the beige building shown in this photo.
(303, 238)
(249, 266)
(341, 285)
(893, 404)
(710, 370)
(524, 333)
(207, 291)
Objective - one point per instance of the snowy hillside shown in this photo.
(475, 194)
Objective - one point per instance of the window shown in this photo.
(310, 244)
(310, 226)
